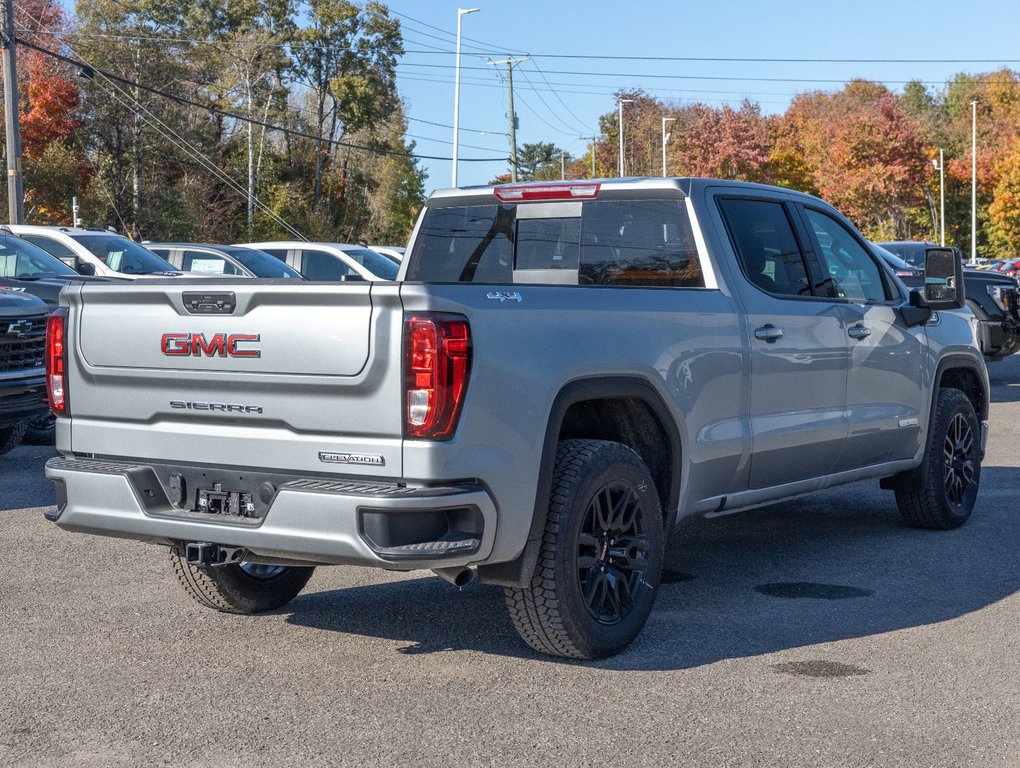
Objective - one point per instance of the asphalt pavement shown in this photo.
(821, 632)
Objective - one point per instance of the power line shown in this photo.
(751, 60)
(236, 116)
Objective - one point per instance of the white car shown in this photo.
(392, 252)
(330, 261)
(96, 251)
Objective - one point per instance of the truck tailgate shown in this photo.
(297, 376)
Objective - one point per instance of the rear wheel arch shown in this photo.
(623, 409)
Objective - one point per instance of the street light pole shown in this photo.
(942, 196)
(622, 102)
(665, 138)
(15, 189)
(973, 183)
(456, 93)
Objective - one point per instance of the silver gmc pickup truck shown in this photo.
(561, 373)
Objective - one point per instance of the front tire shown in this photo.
(240, 588)
(941, 493)
(601, 556)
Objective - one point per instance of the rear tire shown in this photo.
(10, 437)
(601, 556)
(941, 493)
(240, 588)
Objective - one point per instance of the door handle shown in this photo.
(858, 332)
(768, 333)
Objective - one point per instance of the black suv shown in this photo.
(993, 297)
(22, 365)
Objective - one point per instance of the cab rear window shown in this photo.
(637, 243)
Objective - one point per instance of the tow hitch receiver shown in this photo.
(205, 554)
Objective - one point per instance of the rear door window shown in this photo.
(766, 247)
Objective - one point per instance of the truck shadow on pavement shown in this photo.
(829, 567)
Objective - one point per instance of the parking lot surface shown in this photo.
(820, 632)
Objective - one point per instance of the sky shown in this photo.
(559, 97)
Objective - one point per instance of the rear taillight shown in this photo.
(56, 361)
(437, 360)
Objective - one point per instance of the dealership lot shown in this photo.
(815, 633)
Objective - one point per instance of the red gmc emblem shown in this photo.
(217, 345)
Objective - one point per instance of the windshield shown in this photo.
(891, 258)
(374, 262)
(912, 253)
(122, 255)
(262, 264)
(24, 261)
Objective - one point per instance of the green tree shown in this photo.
(346, 57)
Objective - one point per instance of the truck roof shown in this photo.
(577, 189)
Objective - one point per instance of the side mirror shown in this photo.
(943, 280)
(84, 268)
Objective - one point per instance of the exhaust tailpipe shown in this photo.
(460, 577)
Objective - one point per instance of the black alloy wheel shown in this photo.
(612, 557)
(960, 460)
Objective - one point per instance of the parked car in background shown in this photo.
(393, 253)
(234, 260)
(1009, 267)
(22, 365)
(330, 261)
(28, 269)
(993, 297)
(96, 251)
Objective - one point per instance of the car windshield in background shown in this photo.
(374, 262)
(22, 260)
(262, 264)
(912, 253)
(123, 255)
(892, 259)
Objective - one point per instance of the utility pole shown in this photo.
(510, 61)
(15, 189)
(563, 166)
(594, 139)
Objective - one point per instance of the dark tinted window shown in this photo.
(464, 245)
(638, 243)
(548, 243)
(320, 265)
(263, 264)
(123, 255)
(50, 245)
(276, 253)
(854, 273)
(21, 259)
(625, 243)
(766, 246)
(374, 262)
